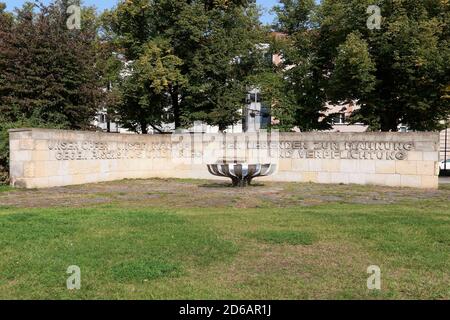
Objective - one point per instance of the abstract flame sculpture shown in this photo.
(241, 174)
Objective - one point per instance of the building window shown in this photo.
(338, 118)
(254, 97)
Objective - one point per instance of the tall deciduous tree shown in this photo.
(215, 42)
(396, 73)
(145, 98)
(47, 72)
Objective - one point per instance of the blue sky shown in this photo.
(103, 4)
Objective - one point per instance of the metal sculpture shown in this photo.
(241, 174)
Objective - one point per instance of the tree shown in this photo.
(221, 65)
(144, 93)
(304, 78)
(47, 72)
(276, 93)
(215, 42)
(397, 73)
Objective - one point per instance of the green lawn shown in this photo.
(297, 252)
(4, 188)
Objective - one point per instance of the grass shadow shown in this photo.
(225, 185)
(216, 185)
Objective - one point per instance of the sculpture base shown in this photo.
(241, 174)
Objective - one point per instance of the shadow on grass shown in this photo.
(228, 185)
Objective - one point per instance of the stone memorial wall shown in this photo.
(41, 158)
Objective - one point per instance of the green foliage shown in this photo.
(4, 154)
(47, 72)
(276, 94)
(446, 92)
(397, 74)
(144, 92)
(209, 48)
(4, 188)
(303, 77)
(220, 66)
(353, 77)
(48, 76)
(294, 15)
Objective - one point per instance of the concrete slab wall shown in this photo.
(42, 158)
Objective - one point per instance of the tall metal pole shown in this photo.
(445, 148)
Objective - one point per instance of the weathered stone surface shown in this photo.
(47, 158)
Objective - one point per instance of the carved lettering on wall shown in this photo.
(356, 150)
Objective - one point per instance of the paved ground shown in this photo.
(444, 180)
(203, 194)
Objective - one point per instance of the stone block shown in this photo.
(29, 170)
(55, 181)
(411, 181)
(20, 156)
(41, 145)
(431, 156)
(309, 176)
(324, 177)
(40, 155)
(415, 156)
(393, 180)
(406, 167)
(338, 178)
(14, 145)
(348, 166)
(426, 168)
(429, 182)
(41, 182)
(315, 165)
(26, 144)
(287, 176)
(385, 167)
(367, 166)
(357, 178)
(331, 165)
(16, 169)
(300, 165)
(285, 165)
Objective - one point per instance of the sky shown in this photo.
(104, 4)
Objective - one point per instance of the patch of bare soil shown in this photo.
(200, 193)
(322, 270)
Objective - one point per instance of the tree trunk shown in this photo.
(144, 129)
(222, 127)
(389, 122)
